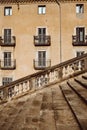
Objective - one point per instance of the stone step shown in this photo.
(81, 81)
(78, 107)
(81, 91)
(84, 76)
(64, 118)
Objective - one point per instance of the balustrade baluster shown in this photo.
(42, 80)
(50, 76)
(19, 88)
(75, 66)
(39, 82)
(56, 74)
(85, 63)
(71, 69)
(79, 65)
(5, 94)
(24, 86)
(16, 89)
(67, 70)
(46, 79)
(27, 85)
(36, 83)
(1, 94)
(64, 71)
(60, 72)
(11, 92)
(32, 83)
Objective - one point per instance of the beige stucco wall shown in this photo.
(24, 23)
(69, 22)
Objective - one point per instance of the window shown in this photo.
(42, 58)
(41, 34)
(6, 80)
(79, 8)
(80, 33)
(7, 36)
(7, 59)
(41, 9)
(79, 53)
(8, 11)
(41, 31)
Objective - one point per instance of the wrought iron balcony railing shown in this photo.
(42, 64)
(8, 64)
(76, 42)
(42, 40)
(8, 41)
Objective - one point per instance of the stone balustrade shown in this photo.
(44, 78)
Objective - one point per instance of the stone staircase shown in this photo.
(53, 99)
(62, 106)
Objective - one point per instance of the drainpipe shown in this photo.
(58, 3)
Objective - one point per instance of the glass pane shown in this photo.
(77, 9)
(42, 58)
(44, 10)
(7, 36)
(40, 10)
(6, 11)
(81, 34)
(7, 58)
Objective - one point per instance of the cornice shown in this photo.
(36, 1)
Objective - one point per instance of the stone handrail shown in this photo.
(44, 78)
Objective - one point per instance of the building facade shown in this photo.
(35, 35)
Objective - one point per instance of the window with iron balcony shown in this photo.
(7, 39)
(80, 39)
(42, 61)
(8, 63)
(42, 39)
